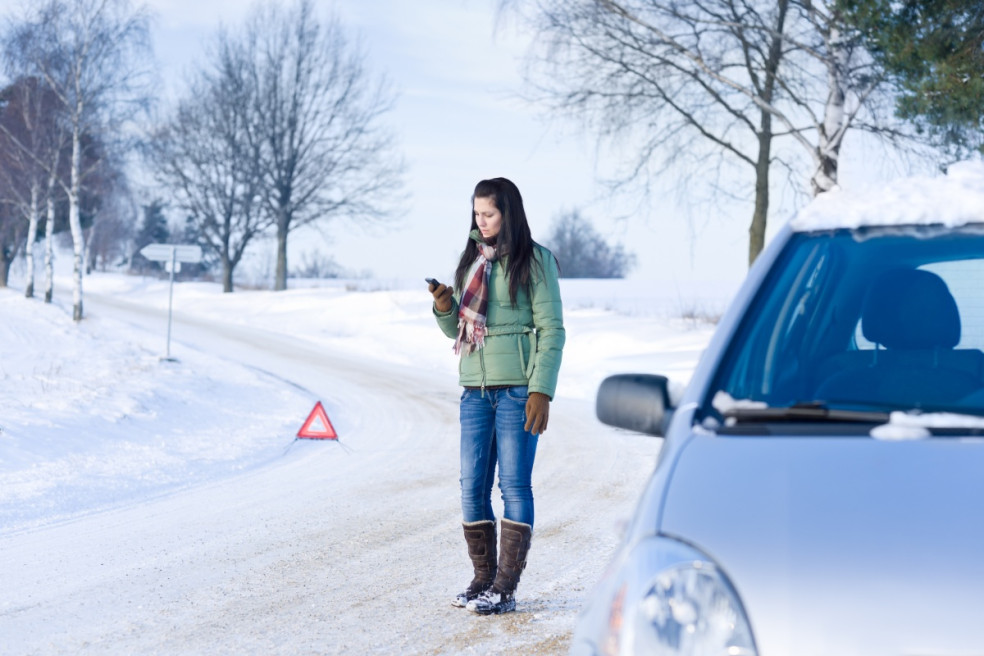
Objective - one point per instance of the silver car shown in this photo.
(821, 485)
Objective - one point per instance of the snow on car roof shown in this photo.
(953, 199)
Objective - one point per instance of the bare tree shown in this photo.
(31, 146)
(91, 55)
(582, 252)
(208, 156)
(12, 190)
(113, 212)
(11, 234)
(316, 265)
(325, 154)
(707, 84)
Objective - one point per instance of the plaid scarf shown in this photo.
(474, 305)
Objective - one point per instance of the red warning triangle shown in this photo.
(317, 426)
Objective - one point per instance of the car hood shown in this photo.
(841, 545)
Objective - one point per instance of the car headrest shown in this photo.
(910, 309)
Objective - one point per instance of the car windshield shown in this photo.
(867, 320)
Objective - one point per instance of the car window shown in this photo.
(963, 278)
(866, 319)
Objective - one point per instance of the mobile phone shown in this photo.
(432, 281)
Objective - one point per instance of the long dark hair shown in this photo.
(514, 241)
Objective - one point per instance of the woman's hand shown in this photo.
(442, 296)
(537, 412)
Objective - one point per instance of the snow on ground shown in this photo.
(156, 506)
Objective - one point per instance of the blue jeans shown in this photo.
(492, 431)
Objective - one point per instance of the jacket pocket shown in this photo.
(527, 367)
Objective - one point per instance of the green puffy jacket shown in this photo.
(524, 342)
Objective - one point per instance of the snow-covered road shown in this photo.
(347, 547)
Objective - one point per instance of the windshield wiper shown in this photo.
(813, 412)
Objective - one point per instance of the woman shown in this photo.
(505, 316)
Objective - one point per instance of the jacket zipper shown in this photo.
(481, 358)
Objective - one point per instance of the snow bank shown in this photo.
(90, 416)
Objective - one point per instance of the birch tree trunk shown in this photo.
(49, 245)
(75, 222)
(32, 234)
(834, 126)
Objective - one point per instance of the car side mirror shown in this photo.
(636, 402)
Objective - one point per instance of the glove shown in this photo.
(537, 412)
(442, 296)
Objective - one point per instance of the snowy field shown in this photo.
(164, 507)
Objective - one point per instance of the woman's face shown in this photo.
(488, 217)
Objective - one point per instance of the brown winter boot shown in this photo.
(480, 537)
(516, 538)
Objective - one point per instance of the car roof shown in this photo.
(952, 200)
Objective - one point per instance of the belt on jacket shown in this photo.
(527, 367)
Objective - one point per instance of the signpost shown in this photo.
(172, 255)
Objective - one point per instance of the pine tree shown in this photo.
(933, 50)
(153, 230)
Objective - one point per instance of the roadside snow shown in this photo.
(91, 417)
